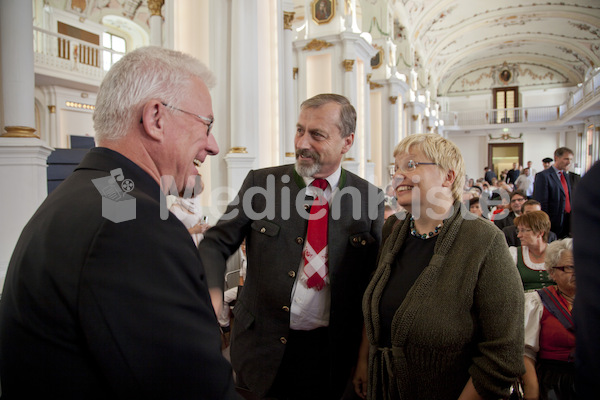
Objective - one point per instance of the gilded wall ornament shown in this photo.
(288, 18)
(348, 65)
(317, 45)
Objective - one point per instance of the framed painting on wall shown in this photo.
(323, 11)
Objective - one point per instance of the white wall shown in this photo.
(474, 152)
(539, 145)
(544, 97)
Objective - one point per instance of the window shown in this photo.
(117, 47)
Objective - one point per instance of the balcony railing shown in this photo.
(588, 93)
(59, 54)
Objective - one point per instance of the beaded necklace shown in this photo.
(413, 230)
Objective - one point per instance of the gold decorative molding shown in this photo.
(19, 131)
(375, 85)
(415, 117)
(155, 6)
(393, 99)
(239, 150)
(349, 159)
(52, 109)
(295, 72)
(290, 154)
(505, 136)
(369, 77)
(288, 18)
(317, 45)
(348, 65)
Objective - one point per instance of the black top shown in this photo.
(411, 261)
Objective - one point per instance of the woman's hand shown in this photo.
(360, 379)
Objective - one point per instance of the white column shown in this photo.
(16, 32)
(369, 165)
(288, 94)
(22, 154)
(23, 179)
(155, 22)
(350, 90)
(244, 91)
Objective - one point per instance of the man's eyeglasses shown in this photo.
(205, 120)
(411, 165)
(569, 269)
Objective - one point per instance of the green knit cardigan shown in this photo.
(462, 318)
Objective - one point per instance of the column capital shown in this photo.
(155, 7)
(348, 65)
(288, 17)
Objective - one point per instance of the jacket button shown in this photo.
(299, 240)
(263, 229)
(285, 308)
(292, 274)
(364, 242)
(283, 340)
(306, 206)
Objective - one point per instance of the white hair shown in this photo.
(144, 74)
(555, 250)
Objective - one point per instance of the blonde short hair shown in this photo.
(442, 152)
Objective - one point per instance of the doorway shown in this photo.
(501, 156)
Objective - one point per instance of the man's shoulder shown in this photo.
(354, 180)
(545, 173)
(276, 170)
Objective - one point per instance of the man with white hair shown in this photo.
(105, 295)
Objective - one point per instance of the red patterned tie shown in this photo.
(563, 181)
(315, 251)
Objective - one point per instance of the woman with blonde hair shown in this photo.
(443, 315)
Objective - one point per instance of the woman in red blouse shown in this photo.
(549, 334)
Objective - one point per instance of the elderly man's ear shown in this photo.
(152, 119)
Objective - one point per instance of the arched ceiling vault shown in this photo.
(454, 38)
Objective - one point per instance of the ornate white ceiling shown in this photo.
(461, 42)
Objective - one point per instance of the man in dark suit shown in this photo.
(513, 174)
(489, 174)
(292, 340)
(586, 310)
(105, 295)
(553, 188)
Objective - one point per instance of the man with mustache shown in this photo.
(298, 319)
